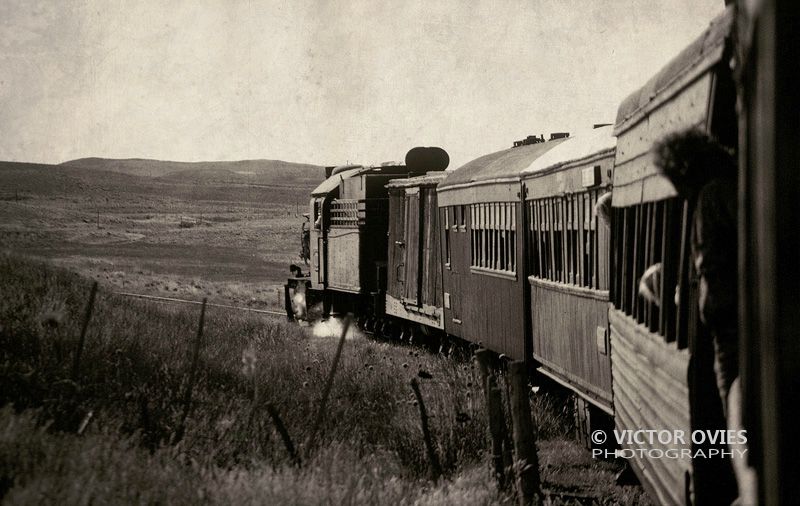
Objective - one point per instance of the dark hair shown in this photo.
(691, 158)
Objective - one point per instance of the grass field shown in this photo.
(133, 377)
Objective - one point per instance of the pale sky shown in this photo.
(320, 81)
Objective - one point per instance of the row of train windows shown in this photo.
(646, 254)
(493, 238)
(564, 240)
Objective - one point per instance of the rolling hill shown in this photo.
(263, 172)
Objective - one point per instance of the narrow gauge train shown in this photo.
(508, 252)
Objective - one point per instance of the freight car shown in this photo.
(414, 294)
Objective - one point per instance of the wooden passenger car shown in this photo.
(661, 361)
(414, 290)
(567, 253)
(484, 275)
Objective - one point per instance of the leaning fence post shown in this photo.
(524, 436)
(281, 428)
(436, 468)
(187, 396)
(76, 361)
(328, 385)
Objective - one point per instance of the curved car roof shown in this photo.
(701, 54)
(574, 149)
(332, 182)
(501, 166)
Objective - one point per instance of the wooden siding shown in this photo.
(412, 241)
(635, 177)
(415, 261)
(431, 287)
(569, 336)
(343, 255)
(651, 392)
(568, 180)
(356, 254)
(485, 308)
(397, 250)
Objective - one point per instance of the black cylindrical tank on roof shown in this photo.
(425, 159)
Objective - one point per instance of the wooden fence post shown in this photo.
(494, 404)
(483, 358)
(328, 385)
(436, 468)
(187, 396)
(494, 407)
(76, 361)
(281, 428)
(524, 436)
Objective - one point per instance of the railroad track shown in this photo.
(209, 304)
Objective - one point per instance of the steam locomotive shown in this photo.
(536, 252)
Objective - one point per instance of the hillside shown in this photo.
(272, 172)
(18, 180)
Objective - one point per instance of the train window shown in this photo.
(493, 237)
(447, 236)
(648, 236)
(462, 218)
(563, 240)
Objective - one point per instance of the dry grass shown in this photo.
(133, 373)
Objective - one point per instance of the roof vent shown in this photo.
(531, 139)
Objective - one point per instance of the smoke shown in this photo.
(333, 326)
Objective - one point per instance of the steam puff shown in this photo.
(332, 327)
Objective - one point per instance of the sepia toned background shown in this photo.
(320, 82)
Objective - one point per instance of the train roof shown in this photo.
(502, 166)
(697, 58)
(429, 179)
(679, 97)
(574, 150)
(330, 184)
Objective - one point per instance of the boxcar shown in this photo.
(567, 251)
(661, 361)
(414, 290)
(484, 276)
